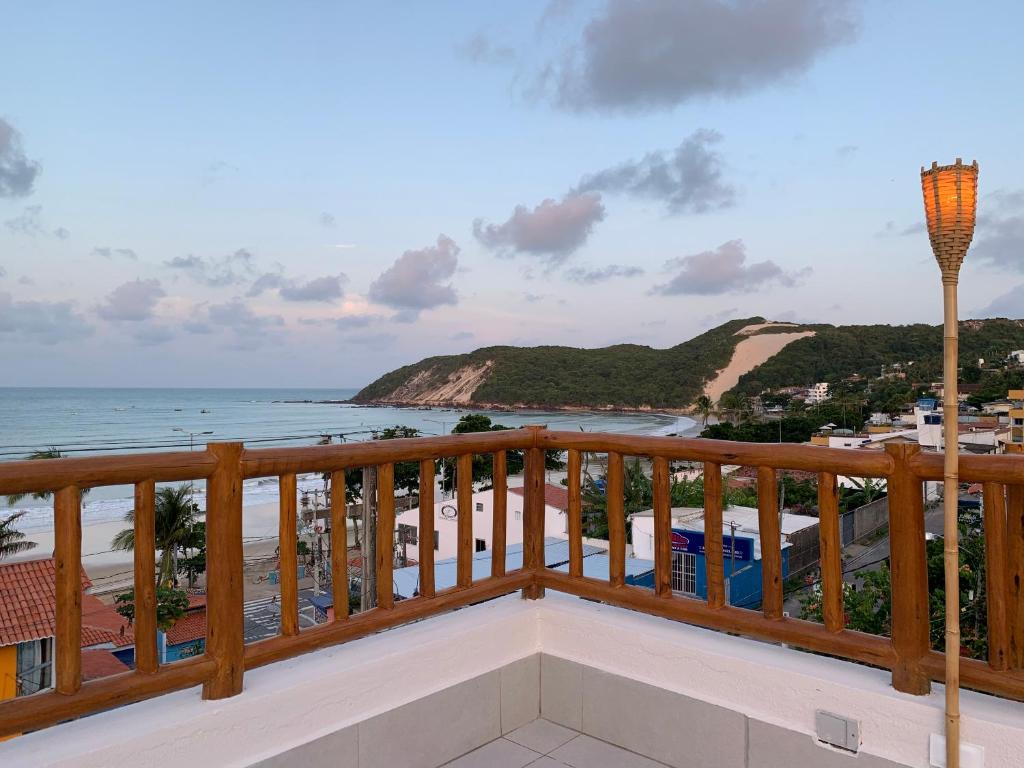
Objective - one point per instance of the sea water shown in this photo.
(88, 422)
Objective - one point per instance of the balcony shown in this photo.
(666, 678)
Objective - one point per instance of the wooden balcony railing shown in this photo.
(225, 466)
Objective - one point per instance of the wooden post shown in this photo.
(499, 521)
(830, 548)
(386, 536)
(1015, 559)
(533, 519)
(713, 552)
(615, 508)
(146, 660)
(771, 542)
(464, 489)
(995, 575)
(225, 644)
(575, 526)
(339, 545)
(909, 573)
(662, 529)
(288, 546)
(67, 553)
(426, 535)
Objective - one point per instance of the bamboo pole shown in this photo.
(950, 494)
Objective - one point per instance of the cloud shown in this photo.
(723, 270)
(62, 233)
(3, 272)
(153, 335)
(17, 173)
(416, 281)
(250, 330)
(348, 322)
(198, 327)
(1009, 304)
(642, 55)
(891, 230)
(999, 240)
(109, 253)
(552, 231)
(231, 269)
(480, 50)
(687, 181)
(41, 322)
(461, 336)
(216, 171)
(27, 222)
(603, 274)
(377, 339)
(327, 220)
(847, 150)
(533, 298)
(327, 288)
(132, 301)
(23, 280)
(268, 281)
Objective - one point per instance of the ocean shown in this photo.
(84, 422)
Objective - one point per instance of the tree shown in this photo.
(12, 541)
(704, 407)
(193, 562)
(175, 514)
(47, 453)
(171, 604)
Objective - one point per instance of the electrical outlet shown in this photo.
(837, 731)
(971, 755)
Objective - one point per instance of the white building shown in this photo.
(445, 535)
(818, 393)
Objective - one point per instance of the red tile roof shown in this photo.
(28, 603)
(101, 623)
(190, 627)
(99, 663)
(556, 496)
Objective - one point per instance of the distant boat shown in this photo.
(177, 409)
(204, 411)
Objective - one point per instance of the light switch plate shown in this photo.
(837, 731)
(971, 755)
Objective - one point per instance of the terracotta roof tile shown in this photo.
(99, 663)
(28, 603)
(190, 627)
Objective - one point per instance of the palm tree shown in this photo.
(12, 542)
(704, 407)
(47, 453)
(175, 514)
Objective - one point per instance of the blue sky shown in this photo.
(175, 181)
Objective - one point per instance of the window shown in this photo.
(480, 545)
(684, 573)
(406, 534)
(437, 540)
(519, 515)
(479, 506)
(34, 666)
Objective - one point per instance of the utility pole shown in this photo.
(368, 588)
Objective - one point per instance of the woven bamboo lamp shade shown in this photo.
(950, 200)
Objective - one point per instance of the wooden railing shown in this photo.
(225, 466)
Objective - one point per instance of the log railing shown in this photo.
(225, 466)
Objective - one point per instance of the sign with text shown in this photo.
(693, 542)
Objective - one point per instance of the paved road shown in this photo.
(263, 616)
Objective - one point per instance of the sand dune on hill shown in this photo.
(748, 354)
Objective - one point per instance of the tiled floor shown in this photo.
(543, 744)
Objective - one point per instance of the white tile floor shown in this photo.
(543, 744)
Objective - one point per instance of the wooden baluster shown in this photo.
(225, 592)
(500, 518)
(67, 512)
(995, 575)
(145, 578)
(830, 552)
(426, 535)
(771, 542)
(662, 529)
(713, 551)
(909, 574)
(339, 545)
(575, 526)
(386, 536)
(533, 518)
(464, 566)
(615, 506)
(1015, 560)
(289, 566)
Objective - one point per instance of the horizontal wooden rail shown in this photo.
(812, 458)
(1007, 468)
(92, 471)
(268, 462)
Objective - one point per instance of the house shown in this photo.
(446, 526)
(741, 550)
(817, 394)
(28, 625)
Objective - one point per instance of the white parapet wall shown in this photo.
(388, 700)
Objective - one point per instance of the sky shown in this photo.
(311, 194)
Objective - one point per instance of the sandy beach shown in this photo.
(748, 354)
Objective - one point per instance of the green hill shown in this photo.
(631, 376)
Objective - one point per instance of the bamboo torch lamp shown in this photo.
(950, 201)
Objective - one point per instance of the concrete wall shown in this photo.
(862, 522)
